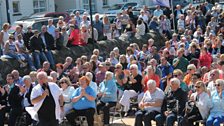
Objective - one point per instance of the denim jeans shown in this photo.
(50, 58)
(169, 120)
(13, 55)
(28, 59)
(38, 56)
(143, 115)
(214, 121)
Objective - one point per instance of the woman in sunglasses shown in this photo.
(67, 91)
(216, 116)
(202, 102)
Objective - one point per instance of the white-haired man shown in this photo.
(169, 109)
(47, 100)
(150, 104)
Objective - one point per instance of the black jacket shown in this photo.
(15, 99)
(169, 102)
(49, 39)
(36, 43)
(27, 95)
(26, 39)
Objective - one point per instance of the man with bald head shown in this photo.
(46, 96)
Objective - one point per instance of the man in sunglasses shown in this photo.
(214, 75)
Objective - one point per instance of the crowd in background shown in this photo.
(188, 69)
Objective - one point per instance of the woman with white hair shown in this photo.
(92, 84)
(150, 105)
(216, 116)
(107, 95)
(132, 89)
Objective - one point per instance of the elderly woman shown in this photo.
(108, 96)
(216, 116)
(92, 84)
(67, 91)
(132, 89)
(202, 101)
(83, 99)
(121, 79)
(150, 105)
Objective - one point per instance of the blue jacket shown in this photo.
(110, 89)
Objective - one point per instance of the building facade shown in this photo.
(21, 8)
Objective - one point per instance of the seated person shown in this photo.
(132, 89)
(83, 103)
(168, 111)
(216, 116)
(202, 102)
(150, 105)
(108, 96)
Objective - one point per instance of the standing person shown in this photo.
(47, 100)
(158, 12)
(106, 27)
(4, 35)
(83, 102)
(27, 36)
(99, 26)
(51, 28)
(14, 100)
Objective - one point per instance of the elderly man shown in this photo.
(46, 68)
(99, 26)
(46, 96)
(133, 88)
(100, 75)
(17, 79)
(51, 28)
(214, 75)
(150, 105)
(170, 110)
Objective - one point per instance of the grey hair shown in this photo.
(151, 82)
(110, 74)
(27, 77)
(41, 74)
(175, 81)
(53, 74)
(221, 82)
(89, 75)
(134, 66)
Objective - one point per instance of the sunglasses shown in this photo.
(189, 69)
(217, 85)
(197, 86)
(118, 68)
(175, 75)
(11, 38)
(63, 82)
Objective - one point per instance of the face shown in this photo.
(15, 75)
(194, 79)
(151, 88)
(198, 88)
(174, 87)
(83, 83)
(133, 70)
(63, 84)
(42, 79)
(190, 70)
(218, 87)
(9, 80)
(44, 29)
(118, 68)
(46, 66)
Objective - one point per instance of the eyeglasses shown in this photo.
(212, 74)
(11, 38)
(197, 86)
(194, 78)
(132, 68)
(217, 85)
(189, 69)
(118, 68)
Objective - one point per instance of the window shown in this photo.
(86, 5)
(39, 5)
(125, 0)
(16, 7)
(105, 2)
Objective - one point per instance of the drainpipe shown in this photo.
(7, 11)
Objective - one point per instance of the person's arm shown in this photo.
(176, 62)
(40, 97)
(156, 103)
(1, 38)
(61, 101)
(89, 97)
(6, 48)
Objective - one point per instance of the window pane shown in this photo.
(42, 4)
(15, 5)
(35, 4)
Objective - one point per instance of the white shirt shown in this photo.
(203, 103)
(211, 86)
(148, 97)
(140, 29)
(37, 91)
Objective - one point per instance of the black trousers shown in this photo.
(48, 123)
(2, 116)
(88, 113)
(13, 115)
(105, 107)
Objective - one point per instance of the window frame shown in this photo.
(18, 5)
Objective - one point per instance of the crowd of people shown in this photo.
(182, 79)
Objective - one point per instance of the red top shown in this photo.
(206, 60)
(153, 77)
(74, 38)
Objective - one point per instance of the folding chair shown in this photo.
(116, 111)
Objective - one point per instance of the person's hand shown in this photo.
(7, 89)
(46, 93)
(209, 93)
(1, 106)
(100, 94)
(22, 89)
(141, 105)
(2, 90)
(166, 113)
(83, 92)
(220, 94)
